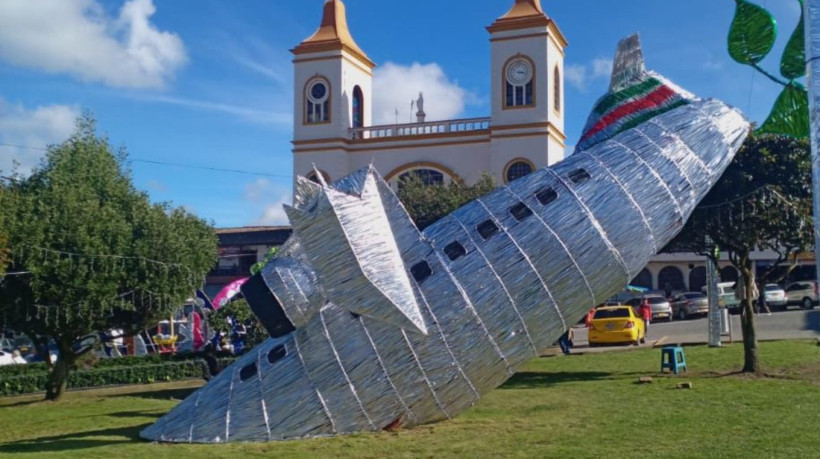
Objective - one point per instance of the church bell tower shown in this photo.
(527, 74)
(333, 85)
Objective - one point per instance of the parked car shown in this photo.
(803, 293)
(726, 296)
(661, 309)
(689, 304)
(775, 296)
(11, 341)
(616, 324)
(6, 358)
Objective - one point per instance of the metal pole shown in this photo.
(812, 17)
(712, 294)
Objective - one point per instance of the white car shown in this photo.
(803, 293)
(6, 358)
(775, 296)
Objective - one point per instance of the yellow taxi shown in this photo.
(616, 324)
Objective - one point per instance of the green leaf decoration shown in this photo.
(790, 114)
(752, 34)
(793, 63)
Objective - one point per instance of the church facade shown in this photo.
(333, 98)
(332, 109)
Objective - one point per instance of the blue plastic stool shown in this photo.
(672, 357)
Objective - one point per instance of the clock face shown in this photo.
(318, 91)
(519, 72)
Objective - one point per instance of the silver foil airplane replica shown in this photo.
(375, 324)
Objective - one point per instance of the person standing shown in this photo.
(761, 301)
(565, 341)
(645, 312)
(589, 317)
(196, 323)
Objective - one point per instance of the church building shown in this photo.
(333, 129)
(333, 98)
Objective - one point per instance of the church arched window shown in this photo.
(317, 101)
(556, 86)
(519, 83)
(516, 169)
(427, 176)
(358, 107)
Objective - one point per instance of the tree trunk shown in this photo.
(58, 376)
(751, 362)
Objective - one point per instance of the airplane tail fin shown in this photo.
(635, 96)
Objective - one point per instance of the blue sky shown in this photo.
(208, 82)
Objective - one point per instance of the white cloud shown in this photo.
(576, 75)
(257, 115)
(21, 127)
(601, 68)
(76, 37)
(582, 75)
(711, 63)
(395, 86)
(274, 214)
(156, 185)
(272, 197)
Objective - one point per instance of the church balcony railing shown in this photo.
(415, 129)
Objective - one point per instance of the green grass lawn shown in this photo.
(576, 406)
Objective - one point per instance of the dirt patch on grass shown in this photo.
(809, 373)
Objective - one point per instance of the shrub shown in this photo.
(20, 379)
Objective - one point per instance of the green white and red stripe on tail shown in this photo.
(617, 112)
(635, 96)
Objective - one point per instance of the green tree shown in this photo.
(428, 203)
(762, 201)
(270, 255)
(98, 253)
(5, 222)
(238, 310)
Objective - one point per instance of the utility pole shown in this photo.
(712, 295)
(811, 13)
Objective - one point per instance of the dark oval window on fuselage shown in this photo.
(546, 196)
(421, 271)
(247, 372)
(454, 251)
(277, 353)
(487, 229)
(579, 176)
(520, 211)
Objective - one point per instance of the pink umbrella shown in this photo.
(228, 292)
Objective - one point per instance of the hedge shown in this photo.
(108, 375)
(150, 359)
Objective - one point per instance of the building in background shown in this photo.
(239, 249)
(686, 272)
(333, 100)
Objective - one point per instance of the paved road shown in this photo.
(792, 324)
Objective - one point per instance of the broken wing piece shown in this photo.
(348, 241)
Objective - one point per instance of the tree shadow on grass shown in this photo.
(24, 402)
(136, 414)
(533, 380)
(74, 441)
(167, 394)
